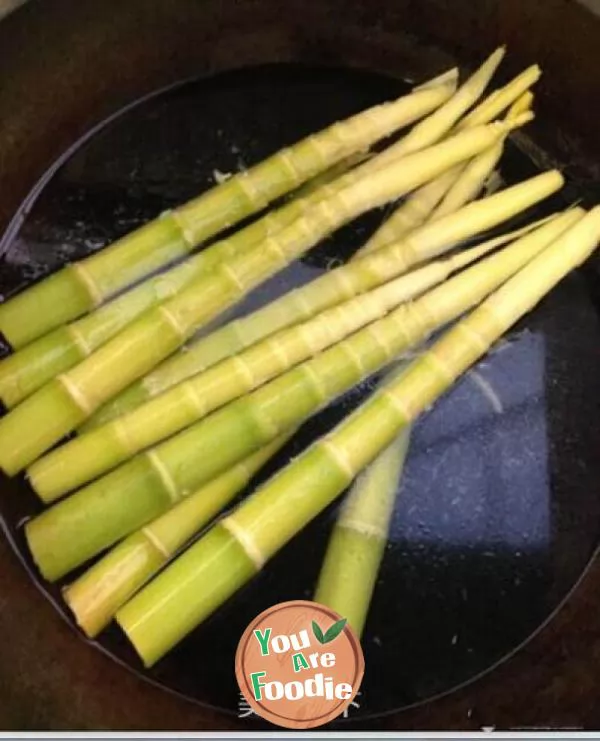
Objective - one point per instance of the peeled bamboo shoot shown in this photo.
(99, 592)
(418, 206)
(82, 286)
(95, 517)
(64, 403)
(32, 366)
(332, 288)
(235, 549)
(359, 536)
(93, 453)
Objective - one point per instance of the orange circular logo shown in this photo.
(299, 664)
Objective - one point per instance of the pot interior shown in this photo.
(497, 515)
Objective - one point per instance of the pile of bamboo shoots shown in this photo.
(170, 426)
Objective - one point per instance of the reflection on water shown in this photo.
(477, 473)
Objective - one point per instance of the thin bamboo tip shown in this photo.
(532, 74)
(526, 100)
(555, 176)
(510, 123)
(520, 120)
(498, 55)
(521, 105)
(450, 77)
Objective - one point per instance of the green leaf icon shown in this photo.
(318, 632)
(334, 631)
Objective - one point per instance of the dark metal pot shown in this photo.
(67, 65)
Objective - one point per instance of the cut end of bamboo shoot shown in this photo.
(43, 307)
(35, 424)
(94, 598)
(219, 566)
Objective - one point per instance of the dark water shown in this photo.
(498, 512)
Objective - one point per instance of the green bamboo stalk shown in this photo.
(95, 517)
(94, 453)
(357, 543)
(65, 402)
(330, 289)
(82, 286)
(358, 539)
(418, 206)
(32, 366)
(234, 550)
(97, 594)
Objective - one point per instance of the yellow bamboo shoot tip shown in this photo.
(450, 77)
